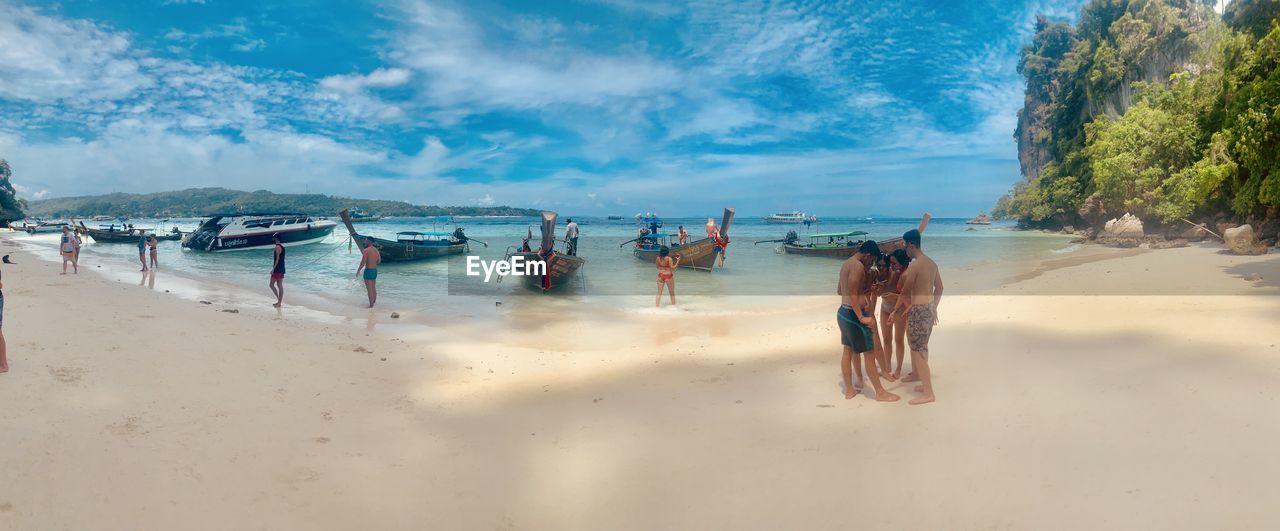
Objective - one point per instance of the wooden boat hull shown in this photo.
(398, 251)
(886, 247)
(560, 269)
(699, 254)
(106, 236)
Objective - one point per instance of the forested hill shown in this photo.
(203, 201)
(1160, 108)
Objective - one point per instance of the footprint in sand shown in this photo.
(129, 428)
(6, 507)
(326, 415)
(322, 440)
(66, 375)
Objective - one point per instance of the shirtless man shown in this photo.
(369, 260)
(857, 325)
(918, 302)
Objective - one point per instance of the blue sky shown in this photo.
(584, 106)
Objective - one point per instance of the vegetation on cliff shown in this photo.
(1156, 107)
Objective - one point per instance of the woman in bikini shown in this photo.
(893, 330)
(152, 242)
(666, 275)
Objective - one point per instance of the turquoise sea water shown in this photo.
(323, 274)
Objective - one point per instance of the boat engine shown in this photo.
(791, 237)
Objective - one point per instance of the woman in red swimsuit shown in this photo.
(666, 275)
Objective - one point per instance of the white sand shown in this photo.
(127, 408)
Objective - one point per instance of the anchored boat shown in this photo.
(239, 232)
(791, 217)
(412, 245)
(832, 244)
(699, 254)
(559, 266)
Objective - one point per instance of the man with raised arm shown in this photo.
(918, 302)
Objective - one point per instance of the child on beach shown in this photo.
(666, 275)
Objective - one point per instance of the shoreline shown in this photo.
(202, 419)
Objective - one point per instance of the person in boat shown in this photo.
(369, 260)
(682, 235)
(68, 250)
(571, 237)
(277, 271)
(666, 275)
(856, 324)
(918, 305)
(152, 242)
(892, 330)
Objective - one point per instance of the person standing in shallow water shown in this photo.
(277, 271)
(142, 250)
(152, 242)
(666, 275)
(68, 251)
(369, 260)
(571, 237)
(918, 303)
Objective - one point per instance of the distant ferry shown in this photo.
(238, 232)
(790, 217)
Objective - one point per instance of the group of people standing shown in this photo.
(908, 287)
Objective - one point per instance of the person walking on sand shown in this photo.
(142, 249)
(918, 303)
(856, 324)
(152, 242)
(4, 360)
(68, 251)
(369, 260)
(277, 271)
(666, 275)
(571, 237)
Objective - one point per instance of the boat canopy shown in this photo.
(839, 234)
(429, 233)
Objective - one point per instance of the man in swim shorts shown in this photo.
(856, 324)
(369, 260)
(918, 302)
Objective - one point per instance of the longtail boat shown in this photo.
(559, 266)
(412, 245)
(832, 244)
(698, 254)
(112, 234)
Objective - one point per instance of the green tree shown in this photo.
(11, 208)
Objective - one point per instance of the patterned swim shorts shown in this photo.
(920, 326)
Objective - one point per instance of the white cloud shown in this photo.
(460, 69)
(43, 59)
(379, 78)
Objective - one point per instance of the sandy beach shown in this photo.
(1070, 398)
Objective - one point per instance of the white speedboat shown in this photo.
(238, 232)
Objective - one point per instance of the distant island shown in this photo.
(196, 202)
